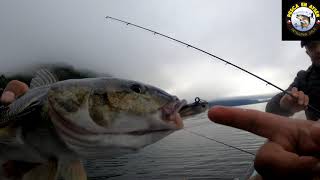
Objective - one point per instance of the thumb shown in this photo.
(17, 87)
(14, 89)
(7, 97)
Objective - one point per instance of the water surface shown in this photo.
(184, 155)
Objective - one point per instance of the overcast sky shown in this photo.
(247, 33)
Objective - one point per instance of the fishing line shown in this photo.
(251, 167)
(198, 99)
(225, 61)
(245, 151)
(198, 124)
(212, 55)
(217, 141)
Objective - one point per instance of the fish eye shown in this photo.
(136, 88)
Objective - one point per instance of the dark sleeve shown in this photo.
(273, 106)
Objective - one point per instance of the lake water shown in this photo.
(184, 155)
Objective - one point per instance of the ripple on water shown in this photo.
(183, 155)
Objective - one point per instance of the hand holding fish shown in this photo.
(56, 124)
(295, 104)
(13, 89)
(293, 146)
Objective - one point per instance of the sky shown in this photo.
(246, 33)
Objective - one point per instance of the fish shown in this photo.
(59, 123)
(304, 20)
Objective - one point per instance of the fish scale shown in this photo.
(39, 136)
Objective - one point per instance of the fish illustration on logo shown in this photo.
(303, 19)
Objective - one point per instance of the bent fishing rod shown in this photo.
(212, 55)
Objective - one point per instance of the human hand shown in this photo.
(294, 104)
(293, 146)
(13, 90)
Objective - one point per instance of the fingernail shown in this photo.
(7, 97)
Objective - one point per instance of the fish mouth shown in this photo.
(171, 115)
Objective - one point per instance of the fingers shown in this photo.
(306, 100)
(295, 103)
(294, 92)
(302, 99)
(259, 123)
(7, 97)
(273, 160)
(17, 87)
(14, 89)
(287, 100)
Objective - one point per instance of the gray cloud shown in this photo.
(248, 33)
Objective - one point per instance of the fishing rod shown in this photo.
(212, 55)
(197, 99)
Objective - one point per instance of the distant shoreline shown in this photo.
(242, 100)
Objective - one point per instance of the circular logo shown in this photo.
(303, 19)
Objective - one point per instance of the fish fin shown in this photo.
(46, 171)
(4, 116)
(43, 77)
(73, 170)
(9, 114)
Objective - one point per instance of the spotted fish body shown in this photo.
(106, 116)
(96, 117)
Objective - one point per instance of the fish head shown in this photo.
(129, 106)
(114, 113)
